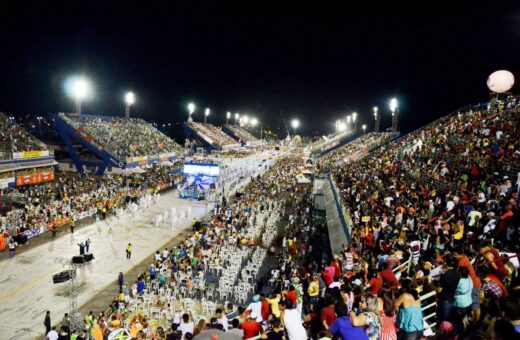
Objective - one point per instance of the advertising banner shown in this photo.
(35, 178)
(30, 154)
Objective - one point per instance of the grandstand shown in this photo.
(241, 135)
(445, 182)
(24, 160)
(117, 141)
(209, 135)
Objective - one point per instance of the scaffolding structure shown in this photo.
(76, 321)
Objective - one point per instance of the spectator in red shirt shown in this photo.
(388, 275)
(328, 275)
(327, 314)
(375, 283)
(250, 327)
(291, 294)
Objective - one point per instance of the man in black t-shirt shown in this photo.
(446, 288)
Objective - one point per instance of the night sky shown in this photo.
(317, 61)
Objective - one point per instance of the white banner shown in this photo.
(4, 182)
(85, 214)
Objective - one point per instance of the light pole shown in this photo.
(364, 127)
(237, 116)
(376, 120)
(129, 101)
(206, 114)
(191, 110)
(80, 88)
(349, 119)
(295, 123)
(228, 115)
(395, 114)
(354, 120)
(39, 124)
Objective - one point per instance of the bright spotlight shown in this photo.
(254, 122)
(354, 117)
(130, 98)
(393, 104)
(228, 115)
(191, 108)
(237, 115)
(246, 119)
(80, 88)
(295, 123)
(206, 112)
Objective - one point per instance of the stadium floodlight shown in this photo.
(228, 115)
(393, 104)
(295, 123)
(349, 119)
(246, 119)
(129, 101)
(395, 113)
(237, 116)
(206, 114)
(354, 117)
(191, 108)
(364, 127)
(376, 120)
(254, 122)
(79, 90)
(341, 126)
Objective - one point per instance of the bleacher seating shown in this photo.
(243, 134)
(14, 138)
(215, 134)
(123, 137)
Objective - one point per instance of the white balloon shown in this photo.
(501, 81)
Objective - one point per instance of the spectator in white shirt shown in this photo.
(52, 335)
(222, 319)
(186, 326)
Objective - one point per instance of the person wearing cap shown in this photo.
(256, 308)
(251, 327)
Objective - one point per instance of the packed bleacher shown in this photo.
(73, 196)
(243, 134)
(322, 142)
(123, 137)
(443, 194)
(14, 138)
(215, 134)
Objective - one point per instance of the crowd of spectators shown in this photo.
(58, 202)
(14, 138)
(217, 136)
(124, 137)
(444, 194)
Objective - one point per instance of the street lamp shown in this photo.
(79, 90)
(206, 114)
(129, 100)
(395, 113)
(228, 115)
(364, 127)
(354, 120)
(376, 120)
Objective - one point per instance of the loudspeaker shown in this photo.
(78, 259)
(88, 257)
(64, 276)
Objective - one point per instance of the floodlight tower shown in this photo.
(206, 114)
(395, 114)
(376, 120)
(129, 101)
(80, 89)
